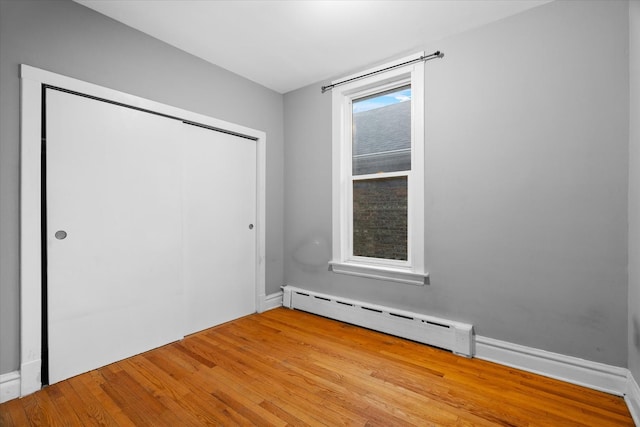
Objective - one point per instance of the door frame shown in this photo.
(31, 261)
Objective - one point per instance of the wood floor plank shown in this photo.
(13, 414)
(175, 395)
(90, 409)
(304, 388)
(153, 377)
(289, 368)
(37, 412)
(66, 401)
(92, 382)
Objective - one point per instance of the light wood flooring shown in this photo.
(289, 368)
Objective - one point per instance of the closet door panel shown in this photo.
(219, 202)
(114, 233)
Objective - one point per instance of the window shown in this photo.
(378, 174)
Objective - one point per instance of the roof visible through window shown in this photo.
(383, 99)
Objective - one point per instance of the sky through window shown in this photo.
(384, 100)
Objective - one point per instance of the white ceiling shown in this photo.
(285, 45)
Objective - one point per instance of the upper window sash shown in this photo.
(381, 139)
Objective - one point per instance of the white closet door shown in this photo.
(219, 200)
(113, 186)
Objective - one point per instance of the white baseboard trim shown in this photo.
(271, 301)
(632, 397)
(9, 386)
(598, 376)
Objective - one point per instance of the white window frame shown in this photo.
(343, 261)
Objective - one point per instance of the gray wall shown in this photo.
(526, 182)
(67, 38)
(634, 190)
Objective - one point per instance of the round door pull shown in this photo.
(61, 234)
(250, 226)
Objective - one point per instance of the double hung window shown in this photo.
(378, 174)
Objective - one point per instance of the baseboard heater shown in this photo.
(442, 333)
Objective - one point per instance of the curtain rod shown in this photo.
(423, 58)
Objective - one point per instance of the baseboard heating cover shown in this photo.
(442, 333)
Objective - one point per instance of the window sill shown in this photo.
(380, 273)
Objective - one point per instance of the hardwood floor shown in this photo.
(287, 367)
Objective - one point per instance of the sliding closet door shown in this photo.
(114, 234)
(219, 199)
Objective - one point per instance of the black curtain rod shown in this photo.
(423, 58)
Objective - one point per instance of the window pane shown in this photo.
(381, 134)
(380, 218)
